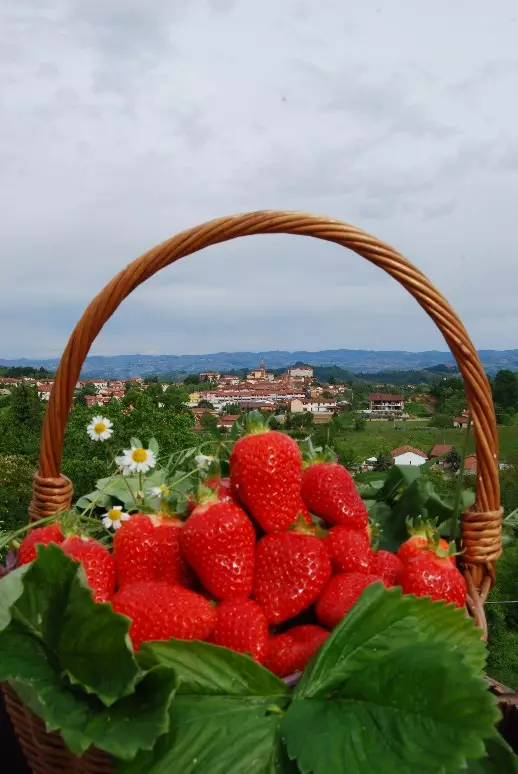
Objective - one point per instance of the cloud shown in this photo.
(124, 122)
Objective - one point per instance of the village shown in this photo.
(293, 392)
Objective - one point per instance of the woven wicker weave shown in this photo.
(52, 492)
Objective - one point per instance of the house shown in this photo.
(228, 420)
(407, 455)
(260, 375)
(44, 392)
(383, 403)
(300, 372)
(440, 450)
(314, 405)
(470, 463)
(460, 421)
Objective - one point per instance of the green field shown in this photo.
(382, 436)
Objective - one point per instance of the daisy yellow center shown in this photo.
(99, 428)
(139, 455)
(114, 514)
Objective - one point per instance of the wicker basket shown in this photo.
(52, 492)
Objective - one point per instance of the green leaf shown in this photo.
(499, 759)
(153, 446)
(47, 583)
(11, 589)
(398, 478)
(382, 621)
(225, 717)
(211, 670)
(82, 720)
(215, 735)
(94, 648)
(136, 443)
(418, 708)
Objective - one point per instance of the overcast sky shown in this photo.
(123, 122)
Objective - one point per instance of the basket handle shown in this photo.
(52, 492)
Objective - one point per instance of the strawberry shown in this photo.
(50, 533)
(290, 652)
(159, 611)
(242, 626)
(423, 537)
(431, 575)
(218, 541)
(291, 571)
(387, 565)
(349, 549)
(339, 596)
(98, 563)
(303, 511)
(328, 490)
(220, 486)
(148, 548)
(266, 471)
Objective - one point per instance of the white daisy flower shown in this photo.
(136, 460)
(203, 461)
(159, 491)
(100, 429)
(114, 518)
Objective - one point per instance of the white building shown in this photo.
(300, 372)
(383, 403)
(407, 455)
(314, 405)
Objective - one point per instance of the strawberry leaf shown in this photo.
(10, 592)
(94, 648)
(418, 708)
(382, 621)
(225, 717)
(215, 735)
(81, 719)
(89, 642)
(499, 759)
(210, 670)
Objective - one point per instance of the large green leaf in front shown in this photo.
(131, 724)
(225, 717)
(382, 621)
(420, 708)
(88, 642)
(216, 735)
(94, 649)
(208, 669)
(11, 589)
(499, 759)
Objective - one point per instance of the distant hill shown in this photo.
(358, 361)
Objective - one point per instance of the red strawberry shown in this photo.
(265, 470)
(242, 626)
(159, 611)
(387, 565)
(430, 575)
(339, 596)
(423, 537)
(350, 549)
(218, 541)
(51, 533)
(328, 490)
(290, 652)
(291, 571)
(98, 563)
(148, 548)
(220, 486)
(303, 511)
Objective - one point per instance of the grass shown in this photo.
(383, 436)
